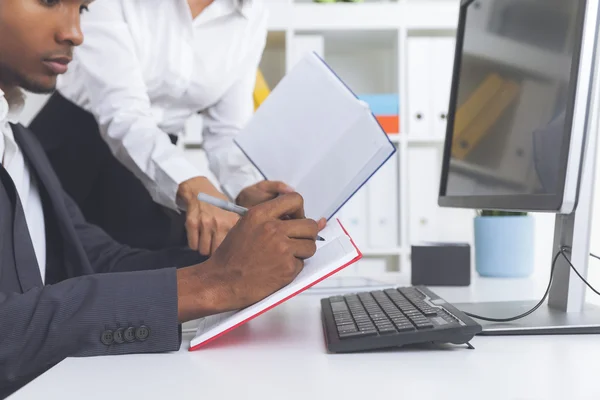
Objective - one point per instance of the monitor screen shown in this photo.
(511, 105)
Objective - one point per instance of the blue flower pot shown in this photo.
(504, 246)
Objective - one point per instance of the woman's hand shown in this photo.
(206, 225)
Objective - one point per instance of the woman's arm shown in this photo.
(111, 73)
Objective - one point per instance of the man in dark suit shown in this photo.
(69, 290)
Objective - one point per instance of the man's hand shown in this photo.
(262, 253)
(261, 192)
(206, 225)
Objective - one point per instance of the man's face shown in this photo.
(37, 38)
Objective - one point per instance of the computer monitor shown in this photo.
(521, 132)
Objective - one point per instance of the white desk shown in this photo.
(281, 355)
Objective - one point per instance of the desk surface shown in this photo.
(282, 354)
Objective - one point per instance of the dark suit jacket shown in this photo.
(98, 293)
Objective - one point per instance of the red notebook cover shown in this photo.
(263, 310)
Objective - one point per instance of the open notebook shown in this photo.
(314, 134)
(335, 253)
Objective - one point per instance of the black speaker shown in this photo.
(441, 264)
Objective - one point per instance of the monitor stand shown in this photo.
(565, 311)
(544, 321)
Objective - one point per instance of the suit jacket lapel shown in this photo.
(48, 182)
(28, 269)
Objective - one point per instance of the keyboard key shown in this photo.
(347, 329)
(424, 325)
(338, 306)
(405, 328)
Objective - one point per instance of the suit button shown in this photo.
(107, 337)
(118, 336)
(129, 334)
(142, 333)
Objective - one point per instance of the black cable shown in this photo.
(538, 305)
(562, 252)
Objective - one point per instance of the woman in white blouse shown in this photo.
(146, 66)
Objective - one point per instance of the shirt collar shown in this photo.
(221, 8)
(244, 7)
(11, 105)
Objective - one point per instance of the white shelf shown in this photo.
(346, 16)
(430, 15)
(441, 14)
(382, 252)
(396, 138)
(424, 139)
(401, 138)
(366, 44)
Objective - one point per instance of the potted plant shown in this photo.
(504, 244)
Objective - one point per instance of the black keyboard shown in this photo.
(391, 318)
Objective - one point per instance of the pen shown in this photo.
(227, 206)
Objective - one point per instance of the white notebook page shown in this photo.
(315, 135)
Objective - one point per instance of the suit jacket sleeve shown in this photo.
(76, 317)
(106, 255)
(73, 318)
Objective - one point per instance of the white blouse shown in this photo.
(146, 66)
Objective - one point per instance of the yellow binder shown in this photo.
(261, 90)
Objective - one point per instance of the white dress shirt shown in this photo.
(146, 66)
(12, 159)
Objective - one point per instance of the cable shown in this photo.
(562, 252)
(538, 305)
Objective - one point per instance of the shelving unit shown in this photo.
(366, 45)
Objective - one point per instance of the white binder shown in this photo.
(304, 44)
(354, 217)
(442, 66)
(423, 188)
(420, 122)
(383, 206)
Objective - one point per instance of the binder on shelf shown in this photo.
(382, 104)
(354, 217)
(430, 67)
(423, 184)
(313, 133)
(389, 123)
(261, 90)
(382, 191)
(304, 44)
(386, 109)
(443, 63)
(420, 122)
